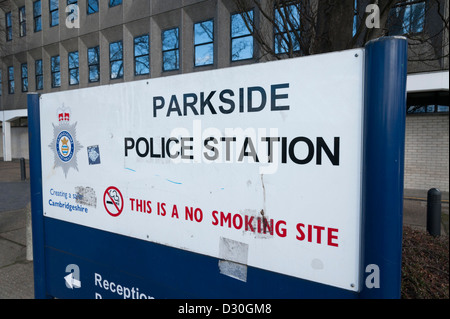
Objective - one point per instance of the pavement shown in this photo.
(16, 270)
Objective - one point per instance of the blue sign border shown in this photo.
(166, 272)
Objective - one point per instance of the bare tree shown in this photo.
(308, 27)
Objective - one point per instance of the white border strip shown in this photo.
(12, 114)
(430, 81)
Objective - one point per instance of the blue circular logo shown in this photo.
(65, 146)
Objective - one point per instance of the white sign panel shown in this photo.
(257, 165)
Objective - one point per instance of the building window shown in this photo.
(407, 17)
(287, 29)
(72, 14)
(204, 43)
(241, 36)
(113, 3)
(37, 16)
(141, 55)
(8, 30)
(39, 73)
(56, 71)
(356, 22)
(92, 6)
(171, 49)
(24, 77)
(74, 75)
(11, 80)
(116, 60)
(421, 109)
(54, 12)
(22, 22)
(94, 64)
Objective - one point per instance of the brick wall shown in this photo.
(427, 152)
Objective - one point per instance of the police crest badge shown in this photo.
(64, 144)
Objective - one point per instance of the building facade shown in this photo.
(56, 45)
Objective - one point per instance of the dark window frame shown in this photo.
(113, 60)
(55, 72)
(11, 82)
(39, 75)
(22, 22)
(75, 68)
(95, 65)
(202, 44)
(407, 29)
(24, 76)
(114, 3)
(91, 9)
(8, 26)
(37, 18)
(146, 55)
(427, 109)
(175, 49)
(427, 103)
(51, 10)
(281, 32)
(243, 36)
(72, 14)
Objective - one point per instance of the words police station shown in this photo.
(300, 150)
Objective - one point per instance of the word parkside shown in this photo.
(225, 101)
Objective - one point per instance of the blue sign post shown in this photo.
(383, 162)
(75, 261)
(34, 142)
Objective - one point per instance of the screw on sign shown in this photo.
(113, 201)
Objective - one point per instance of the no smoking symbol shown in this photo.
(113, 201)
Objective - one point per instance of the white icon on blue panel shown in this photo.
(93, 154)
(73, 278)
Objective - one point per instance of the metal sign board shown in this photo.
(254, 168)
(232, 164)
